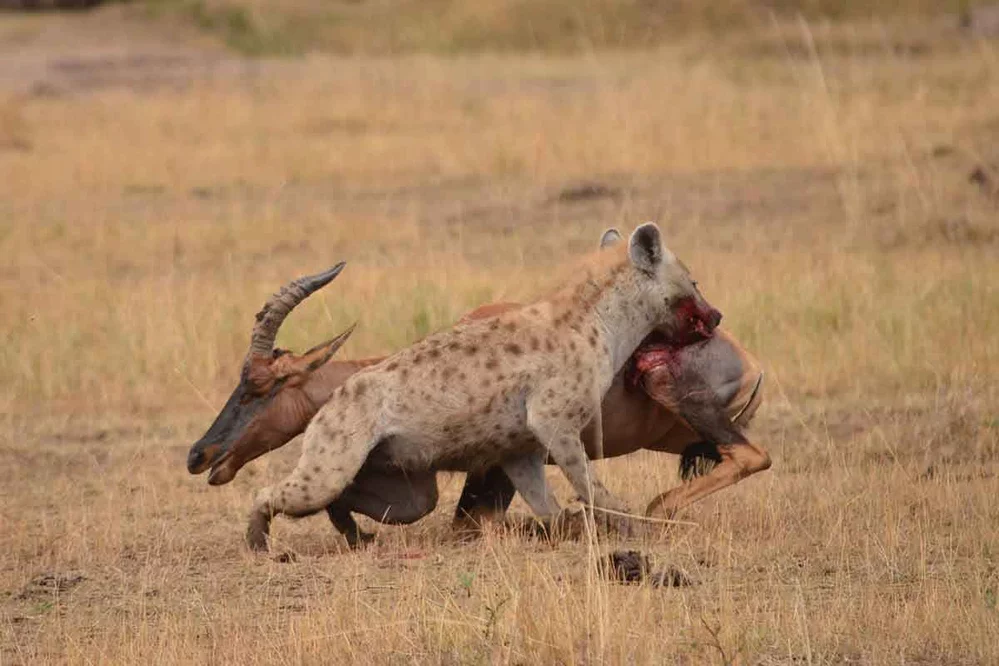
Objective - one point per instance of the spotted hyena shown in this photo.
(511, 390)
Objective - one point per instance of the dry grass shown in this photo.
(817, 184)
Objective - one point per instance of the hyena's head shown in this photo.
(663, 289)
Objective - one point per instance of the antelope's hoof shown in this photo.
(661, 507)
(360, 540)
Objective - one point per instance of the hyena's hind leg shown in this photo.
(330, 461)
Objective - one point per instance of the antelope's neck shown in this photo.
(329, 377)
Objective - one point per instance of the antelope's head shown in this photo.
(272, 403)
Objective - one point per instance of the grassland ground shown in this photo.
(833, 187)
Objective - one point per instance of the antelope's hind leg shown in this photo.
(485, 497)
(345, 524)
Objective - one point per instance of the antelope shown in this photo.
(691, 400)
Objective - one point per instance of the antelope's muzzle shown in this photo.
(200, 457)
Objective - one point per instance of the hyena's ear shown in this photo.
(610, 238)
(646, 248)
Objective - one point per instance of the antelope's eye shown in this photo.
(694, 282)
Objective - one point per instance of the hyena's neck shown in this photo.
(622, 323)
(611, 308)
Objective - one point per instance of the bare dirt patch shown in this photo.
(53, 54)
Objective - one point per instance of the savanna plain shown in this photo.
(833, 185)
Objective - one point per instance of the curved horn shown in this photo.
(278, 306)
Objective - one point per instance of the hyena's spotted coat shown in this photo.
(510, 390)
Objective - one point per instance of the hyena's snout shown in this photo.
(705, 321)
(711, 319)
(698, 320)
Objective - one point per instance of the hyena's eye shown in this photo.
(694, 282)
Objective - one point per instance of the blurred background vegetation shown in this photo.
(386, 27)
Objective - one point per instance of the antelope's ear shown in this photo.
(646, 248)
(610, 238)
(320, 354)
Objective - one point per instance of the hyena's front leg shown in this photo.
(558, 429)
(528, 476)
(330, 460)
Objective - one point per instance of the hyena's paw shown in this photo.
(531, 527)
(257, 532)
(577, 524)
(623, 526)
(570, 524)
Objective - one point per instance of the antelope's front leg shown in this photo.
(738, 457)
(738, 460)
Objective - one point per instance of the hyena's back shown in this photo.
(457, 399)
